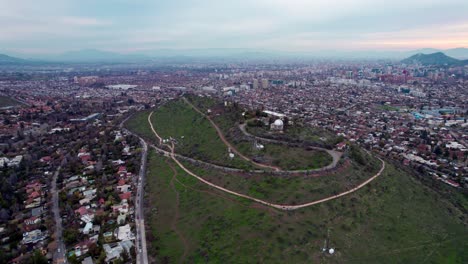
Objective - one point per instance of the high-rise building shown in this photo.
(264, 83)
(255, 84)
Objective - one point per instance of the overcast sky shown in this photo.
(52, 26)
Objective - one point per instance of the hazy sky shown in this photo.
(51, 26)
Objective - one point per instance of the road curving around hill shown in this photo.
(285, 207)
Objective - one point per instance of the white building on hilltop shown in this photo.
(277, 125)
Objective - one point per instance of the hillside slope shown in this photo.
(437, 58)
(394, 220)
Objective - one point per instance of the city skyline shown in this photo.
(125, 26)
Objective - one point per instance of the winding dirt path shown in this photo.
(277, 206)
(336, 155)
(177, 214)
(229, 145)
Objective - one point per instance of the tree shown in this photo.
(70, 235)
(73, 259)
(125, 256)
(38, 258)
(4, 215)
(437, 150)
(94, 250)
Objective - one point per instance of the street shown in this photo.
(140, 242)
(140, 245)
(60, 253)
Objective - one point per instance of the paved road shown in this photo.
(60, 253)
(277, 206)
(140, 244)
(141, 249)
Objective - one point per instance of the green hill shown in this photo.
(437, 58)
(8, 60)
(393, 220)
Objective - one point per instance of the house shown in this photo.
(89, 193)
(33, 236)
(125, 196)
(88, 227)
(123, 188)
(341, 146)
(37, 211)
(113, 251)
(46, 159)
(121, 218)
(123, 207)
(33, 187)
(82, 248)
(118, 162)
(32, 221)
(15, 162)
(82, 210)
(34, 195)
(124, 233)
(85, 201)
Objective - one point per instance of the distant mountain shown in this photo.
(8, 60)
(457, 53)
(423, 51)
(437, 58)
(218, 55)
(93, 55)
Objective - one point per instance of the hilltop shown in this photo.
(392, 219)
(8, 60)
(437, 58)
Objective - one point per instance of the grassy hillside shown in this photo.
(288, 158)
(395, 219)
(292, 189)
(197, 138)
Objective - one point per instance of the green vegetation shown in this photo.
(7, 101)
(395, 219)
(293, 189)
(299, 134)
(228, 117)
(287, 158)
(138, 123)
(195, 136)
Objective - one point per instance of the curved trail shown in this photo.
(336, 155)
(277, 206)
(176, 216)
(231, 147)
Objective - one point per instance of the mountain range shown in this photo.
(221, 54)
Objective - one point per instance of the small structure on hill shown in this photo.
(277, 125)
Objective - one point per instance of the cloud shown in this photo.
(83, 21)
(273, 24)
